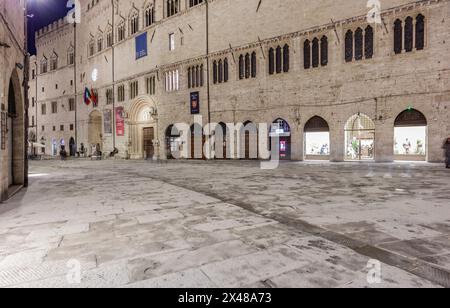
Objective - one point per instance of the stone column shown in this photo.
(337, 143)
(297, 144)
(384, 141)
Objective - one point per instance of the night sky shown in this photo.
(45, 12)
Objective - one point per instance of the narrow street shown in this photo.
(226, 224)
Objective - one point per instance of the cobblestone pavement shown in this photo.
(226, 224)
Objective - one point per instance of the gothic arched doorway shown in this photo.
(172, 142)
(95, 130)
(282, 130)
(16, 132)
(222, 148)
(248, 143)
(410, 136)
(197, 141)
(360, 138)
(317, 139)
(143, 124)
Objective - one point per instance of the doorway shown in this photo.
(281, 129)
(360, 138)
(95, 130)
(197, 142)
(410, 136)
(14, 130)
(72, 147)
(317, 139)
(149, 137)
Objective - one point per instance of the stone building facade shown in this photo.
(12, 111)
(336, 84)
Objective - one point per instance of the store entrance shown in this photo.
(149, 137)
(410, 136)
(360, 138)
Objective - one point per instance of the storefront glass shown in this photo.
(317, 143)
(360, 138)
(410, 140)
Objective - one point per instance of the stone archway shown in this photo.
(16, 132)
(95, 136)
(281, 129)
(410, 136)
(317, 139)
(143, 129)
(360, 138)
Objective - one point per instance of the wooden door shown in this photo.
(149, 136)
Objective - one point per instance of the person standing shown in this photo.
(446, 148)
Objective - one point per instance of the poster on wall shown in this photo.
(141, 46)
(107, 123)
(120, 122)
(195, 103)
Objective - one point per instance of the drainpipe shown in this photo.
(208, 93)
(113, 114)
(36, 98)
(26, 78)
(75, 82)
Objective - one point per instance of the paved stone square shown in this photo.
(227, 224)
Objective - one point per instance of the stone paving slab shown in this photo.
(226, 224)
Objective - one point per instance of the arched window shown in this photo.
(368, 43)
(278, 60)
(420, 32)
(71, 56)
(247, 66)
(194, 2)
(91, 48)
(220, 71)
(349, 46)
(241, 67)
(109, 37)
(307, 54)
(271, 61)
(215, 79)
(134, 23)
(99, 43)
(121, 31)
(193, 76)
(197, 77)
(173, 7)
(253, 65)
(54, 62)
(149, 16)
(315, 52)
(409, 30)
(44, 67)
(225, 70)
(324, 51)
(398, 36)
(358, 44)
(189, 78)
(286, 56)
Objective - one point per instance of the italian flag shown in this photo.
(87, 96)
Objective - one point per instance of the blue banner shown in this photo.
(195, 103)
(141, 46)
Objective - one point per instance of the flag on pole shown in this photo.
(87, 97)
(94, 98)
